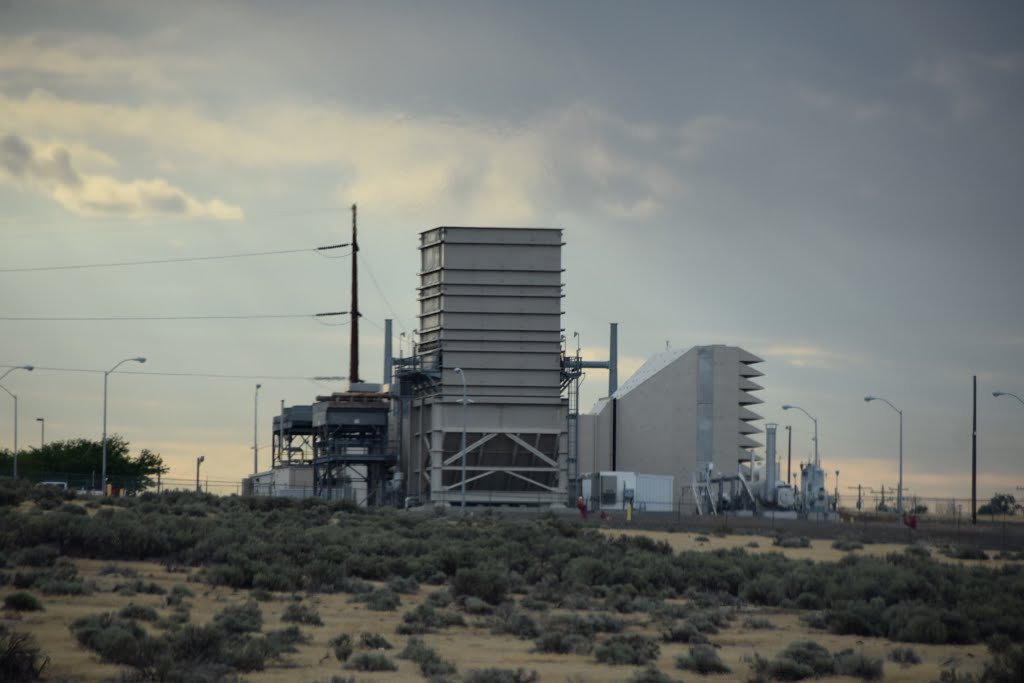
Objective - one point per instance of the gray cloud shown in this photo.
(20, 160)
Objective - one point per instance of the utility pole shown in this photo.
(789, 455)
(974, 457)
(353, 358)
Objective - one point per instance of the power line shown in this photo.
(376, 286)
(208, 375)
(125, 318)
(182, 259)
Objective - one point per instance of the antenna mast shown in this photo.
(353, 360)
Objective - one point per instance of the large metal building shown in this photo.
(490, 333)
(684, 413)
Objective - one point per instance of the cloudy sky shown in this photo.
(836, 187)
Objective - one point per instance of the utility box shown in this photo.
(614, 490)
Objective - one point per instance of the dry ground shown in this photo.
(470, 648)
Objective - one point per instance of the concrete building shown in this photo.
(682, 412)
(490, 330)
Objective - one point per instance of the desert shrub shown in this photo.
(285, 639)
(847, 544)
(404, 584)
(425, 619)
(113, 569)
(371, 661)
(23, 602)
(684, 632)
(115, 640)
(802, 659)
(489, 583)
(38, 556)
(963, 552)
(563, 643)
(374, 641)
(382, 600)
(651, 674)
(703, 659)
(71, 509)
(764, 590)
(906, 656)
(430, 662)
(784, 541)
(702, 539)
(342, 646)
(139, 586)
(442, 597)
(48, 503)
(501, 676)
(476, 606)
(301, 614)
(138, 612)
(176, 597)
(630, 648)
(753, 544)
(858, 664)
(758, 623)
(508, 619)
(244, 618)
(20, 658)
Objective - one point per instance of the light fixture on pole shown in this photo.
(465, 400)
(30, 368)
(106, 374)
(255, 429)
(899, 489)
(42, 432)
(1007, 393)
(815, 421)
(199, 461)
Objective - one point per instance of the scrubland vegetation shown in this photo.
(561, 586)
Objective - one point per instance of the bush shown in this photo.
(906, 656)
(300, 614)
(23, 602)
(758, 623)
(407, 585)
(490, 584)
(383, 600)
(476, 606)
(425, 619)
(846, 544)
(850, 663)
(685, 632)
(244, 618)
(440, 598)
(562, 643)
(430, 662)
(704, 660)
(627, 649)
(810, 654)
(501, 676)
(374, 641)
(792, 542)
(342, 646)
(508, 619)
(38, 556)
(20, 659)
(115, 640)
(139, 612)
(964, 552)
(651, 674)
(371, 661)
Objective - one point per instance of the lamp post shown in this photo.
(199, 461)
(42, 432)
(1007, 393)
(30, 368)
(106, 374)
(255, 429)
(815, 421)
(464, 402)
(899, 489)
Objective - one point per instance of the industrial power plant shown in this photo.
(484, 411)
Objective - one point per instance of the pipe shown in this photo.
(387, 351)
(613, 358)
(769, 462)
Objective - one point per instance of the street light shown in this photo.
(199, 461)
(1007, 393)
(815, 421)
(42, 432)
(899, 489)
(465, 401)
(30, 368)
(106, 374)
(255, 429)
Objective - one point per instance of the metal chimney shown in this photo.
(770, 474)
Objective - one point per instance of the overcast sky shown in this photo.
(834, 186)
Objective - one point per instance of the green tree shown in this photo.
(1001, 504)
(79, 462)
